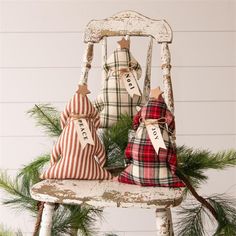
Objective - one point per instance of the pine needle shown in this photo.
(204, 159)
(190, 222)
(225, 207)
(18, 198)
(29, 175)
(194, 162)
(118, 133)
(193, 214)
(48, 118)
(68, 219)
(115, 140)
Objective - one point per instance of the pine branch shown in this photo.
(48, 118)
(191, 166)
(199, 160)
(202, 200)
(29, 175)
(18, 189)
(115, 140)
(17, 195)
(71, 218)
(193, 214)
(192, 163)
(190, 223)
(119, 132)
(225, 206)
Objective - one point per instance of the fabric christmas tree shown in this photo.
(120, 93)
(78, 152)
(150, 152)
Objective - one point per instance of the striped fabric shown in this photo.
(114, 99)
(146, 167)
(68, 160)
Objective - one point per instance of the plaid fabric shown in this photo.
(147, 168)
(68, 159)
(114, 99)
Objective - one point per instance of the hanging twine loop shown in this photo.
(162, 122)
(121, 72)
(158, 121)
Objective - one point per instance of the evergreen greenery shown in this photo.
(193, 216)
(19, 197)
(29, 175)
(115, 140)
(48, 118)
(193, 164)
(70, 219)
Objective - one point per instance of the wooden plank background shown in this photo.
(41, 44)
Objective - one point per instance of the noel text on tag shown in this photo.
(130, 83)
(131, 86)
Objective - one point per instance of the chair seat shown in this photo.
(106, 193)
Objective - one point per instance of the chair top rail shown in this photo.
(128, 23)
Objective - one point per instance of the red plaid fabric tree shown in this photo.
(147, 167)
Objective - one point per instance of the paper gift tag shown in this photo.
(155, 136)
(130, 82)
(85, 136)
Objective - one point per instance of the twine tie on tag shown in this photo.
(160, 121)
(121, 71)
(75, 116)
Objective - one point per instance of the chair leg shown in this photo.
(164, 222)
(46, 223)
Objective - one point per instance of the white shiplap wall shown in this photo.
(41, 51)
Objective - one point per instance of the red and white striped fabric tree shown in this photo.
(78, 152)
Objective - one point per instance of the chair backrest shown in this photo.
(131, 23)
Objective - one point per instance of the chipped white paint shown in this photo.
(46, 223)
(168, 91)
(106, 193)
(104, 58)
(128, 23)
(166, 66)
(147, 79)
(86, 65)
(164, 222)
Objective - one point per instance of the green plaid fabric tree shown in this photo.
(114, 99)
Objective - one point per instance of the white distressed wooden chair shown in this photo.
(112, 193)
